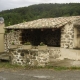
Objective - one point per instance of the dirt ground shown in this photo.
(41, 74)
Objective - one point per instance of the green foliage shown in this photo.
(27, 43)
(61, 68)
(8, 65)
(42, 44)
(12, 30)
(18, 15)
(12, 43)
(9, 24)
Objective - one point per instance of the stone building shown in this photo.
(61, 35)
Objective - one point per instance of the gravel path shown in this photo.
(39, 75)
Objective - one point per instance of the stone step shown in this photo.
(4, 56)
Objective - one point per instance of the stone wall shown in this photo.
(67, 36)
(48, 36)
(63, 38)
(12, 36)
(52, 56)
(34, 57)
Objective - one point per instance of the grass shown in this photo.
(63, 68)
(7, 65)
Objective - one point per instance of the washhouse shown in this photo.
(44, 41)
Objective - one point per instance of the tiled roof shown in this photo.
(44, 23)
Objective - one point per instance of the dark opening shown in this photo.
(3, 60)
(50, 37)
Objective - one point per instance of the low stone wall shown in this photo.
(34, 57)
(53, 56)
(17, 57)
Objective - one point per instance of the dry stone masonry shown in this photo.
(34, 57)
(17, 57)
(67, 36)
(12, 37)
(56, 33)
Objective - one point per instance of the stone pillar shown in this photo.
(67, 36)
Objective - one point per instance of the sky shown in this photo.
(11, 4)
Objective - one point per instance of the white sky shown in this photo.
(10, 4)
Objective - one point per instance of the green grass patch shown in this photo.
(7, 65)
(61, 68)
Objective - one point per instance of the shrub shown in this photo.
(27, 43)
(42, 44)
(12, 43)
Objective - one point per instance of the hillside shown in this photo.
(32, 12)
